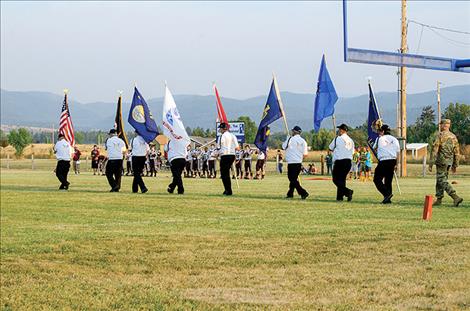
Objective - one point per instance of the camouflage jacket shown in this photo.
(445, 149)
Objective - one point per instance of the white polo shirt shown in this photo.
(177, 149)
(228, 143)
(387, 147)
(115, 147)
(63, 150)
(139, 146)
(342, 147)
(261, 155)
(296, 148)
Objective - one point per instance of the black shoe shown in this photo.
(227, 193)
(387, 199)
(304, 196)
(170, 190)
(289, 196)
(145, 190)
(350, 194)
(180, 192)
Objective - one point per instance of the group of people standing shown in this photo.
(445, 155)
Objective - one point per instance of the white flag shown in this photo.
(173, 127)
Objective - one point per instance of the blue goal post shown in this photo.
(399, 59)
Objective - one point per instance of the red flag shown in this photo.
(221, 116)
(65, 124)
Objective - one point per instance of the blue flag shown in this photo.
(141, 118)
(272, 112)
(326, 96)
(373, 121)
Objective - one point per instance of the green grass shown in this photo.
(88, 249)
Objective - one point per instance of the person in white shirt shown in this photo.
(260, 164)
(342, 147)
(177, 152)
(247, 155)
(238, 164)
(296, 149)
(63, 152)
(189, 160)
(139, 151)
(116, 148)
(387, 148)
(228, 146)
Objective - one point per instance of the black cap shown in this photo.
(112, 131)
(385, 128)
(343, 127)
(223, 125)
(61, 135)
(297, 129)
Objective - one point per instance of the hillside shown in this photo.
(42, 109)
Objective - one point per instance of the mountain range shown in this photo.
(42, 109)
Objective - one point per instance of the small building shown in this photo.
(417, 150)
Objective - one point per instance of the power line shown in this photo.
(439, 28)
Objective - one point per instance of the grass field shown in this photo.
(88, 249)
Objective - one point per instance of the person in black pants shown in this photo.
(343, 148)
(177, 166)
(63, 153)
(116, 148)
(387, 149)
(228, 147)
(296, 149)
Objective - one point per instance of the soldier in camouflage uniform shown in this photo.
(445, 154)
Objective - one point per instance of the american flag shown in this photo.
(66, 126)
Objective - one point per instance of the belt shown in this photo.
(387, 159)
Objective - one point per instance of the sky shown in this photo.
(95, 49)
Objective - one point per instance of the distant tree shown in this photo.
(3, 139)
(275, 140)
(424, 128)
(19, 139)
(250, 128)
(459, 114)
(321, 140)
(79, 137)
(198, 131)
(359, 135)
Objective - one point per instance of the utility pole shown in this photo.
(438, 105)
(403, 50)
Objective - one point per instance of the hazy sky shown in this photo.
(97, 48)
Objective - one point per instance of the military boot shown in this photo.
(457, 199)
(437, 202)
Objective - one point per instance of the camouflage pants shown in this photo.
(442, 173)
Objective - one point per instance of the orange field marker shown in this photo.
(427, 211)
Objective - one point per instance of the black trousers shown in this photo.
(248, 167)
(383, 176)
(238, 168)
(293, 171)
(212, 170)
(153, 171)
(226, 162)
(61, 171)
(129, 167)
(177, 167)
(114, 173)
(341, 170)
(138, 164)
(188, 168)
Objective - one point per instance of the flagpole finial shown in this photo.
(135, 84)
(66, 91)
(369, 78)
(120, 92)
(166, 83)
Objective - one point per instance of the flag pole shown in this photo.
(380, 117)
(278, 94)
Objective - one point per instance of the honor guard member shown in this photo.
(387, 148)
(116, 148)
(247, 157)
(260, 164)
(63, 152)
(238, 163)
(445, 154)
(228, 147)
(177, 153)
(140, 150)
(296, 149)
(342, 147)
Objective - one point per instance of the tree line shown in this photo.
(424, 130)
